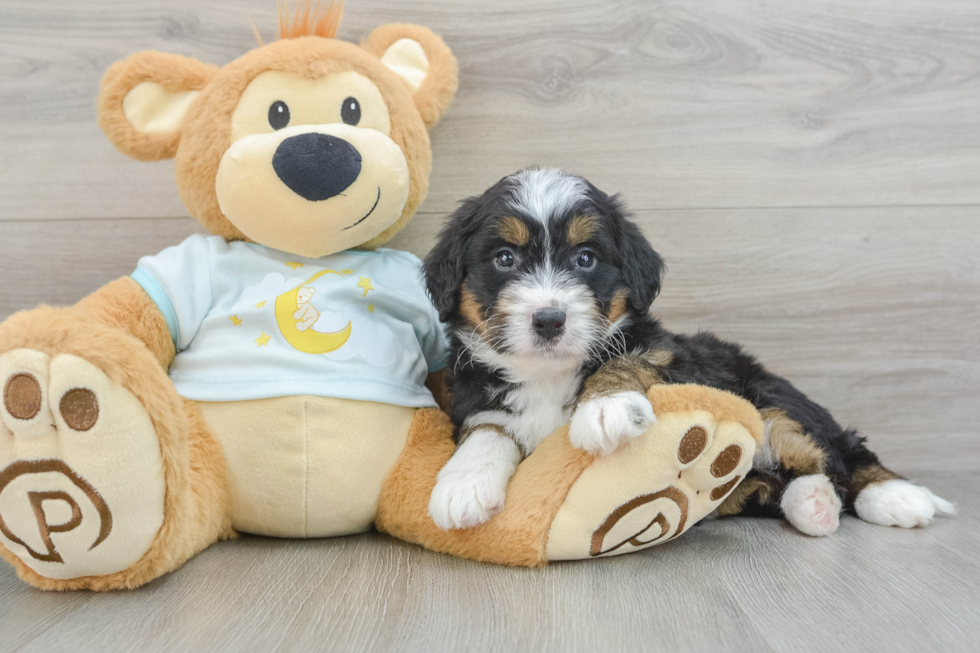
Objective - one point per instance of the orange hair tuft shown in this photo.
(309, 19)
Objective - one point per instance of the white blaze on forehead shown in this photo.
(541, 287)
(544, 193)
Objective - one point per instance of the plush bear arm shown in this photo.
(123, 304)
(437, 385)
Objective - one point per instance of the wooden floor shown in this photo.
(810, 170)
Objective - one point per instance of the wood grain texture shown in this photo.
(809, 170)
(715, 103)
(738, 585)
(871, 312)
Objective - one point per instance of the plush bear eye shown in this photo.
(350, 111)
(278, 115)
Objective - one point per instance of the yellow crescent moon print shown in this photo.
(309, 341)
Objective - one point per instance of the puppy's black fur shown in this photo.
(466, 283)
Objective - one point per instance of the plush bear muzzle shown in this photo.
(313, 189)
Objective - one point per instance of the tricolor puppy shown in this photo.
(546, 285)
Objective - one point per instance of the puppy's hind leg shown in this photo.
(811, 504)
(875, 493)
(829, 469)
(800, 469)
(885, 498)
(879, 495)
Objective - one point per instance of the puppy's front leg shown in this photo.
(613, 405)
(471, 488)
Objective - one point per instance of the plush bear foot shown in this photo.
(81, 473)
(563, 503)
(656, 485)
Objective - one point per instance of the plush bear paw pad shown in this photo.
(81, 481)
(652, 488)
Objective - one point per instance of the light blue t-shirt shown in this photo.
(251, 322)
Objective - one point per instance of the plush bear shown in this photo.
(280, 376)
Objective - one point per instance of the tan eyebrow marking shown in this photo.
(581, 229)
(514, 231)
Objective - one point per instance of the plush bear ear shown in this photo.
(423, 61)
(144, 99)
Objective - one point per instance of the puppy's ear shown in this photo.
(642, 267)
(144, 100)
(445, 265)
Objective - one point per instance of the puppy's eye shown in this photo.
(278, 115)
(585, 259)
(504, 259)
(350, 111)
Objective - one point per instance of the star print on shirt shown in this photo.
(263, 340)
(294, 265)
(370, 308)
(235, 320)
(365, 283)
(260, 305)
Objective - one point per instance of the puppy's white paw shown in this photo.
(465, 500)
(811, 504)
(900, 503)
(471, 488)
(601, 424)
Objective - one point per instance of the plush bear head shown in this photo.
(308, 144)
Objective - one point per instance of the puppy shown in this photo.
(545, 285)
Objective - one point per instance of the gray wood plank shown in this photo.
(716, 103)
(872, 312)
(736, 585)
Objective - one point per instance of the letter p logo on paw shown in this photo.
(82, 484)
(36, 513)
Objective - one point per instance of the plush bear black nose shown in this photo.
(548, 322)
(316, 166)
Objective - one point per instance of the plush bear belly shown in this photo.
(307, 466)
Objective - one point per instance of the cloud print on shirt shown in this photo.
(371, 340)
(271, 287)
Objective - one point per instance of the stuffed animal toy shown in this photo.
(274, 377)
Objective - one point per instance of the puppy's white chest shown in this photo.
(540, 406)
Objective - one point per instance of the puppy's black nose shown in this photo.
(316, 166)
(548, 322)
